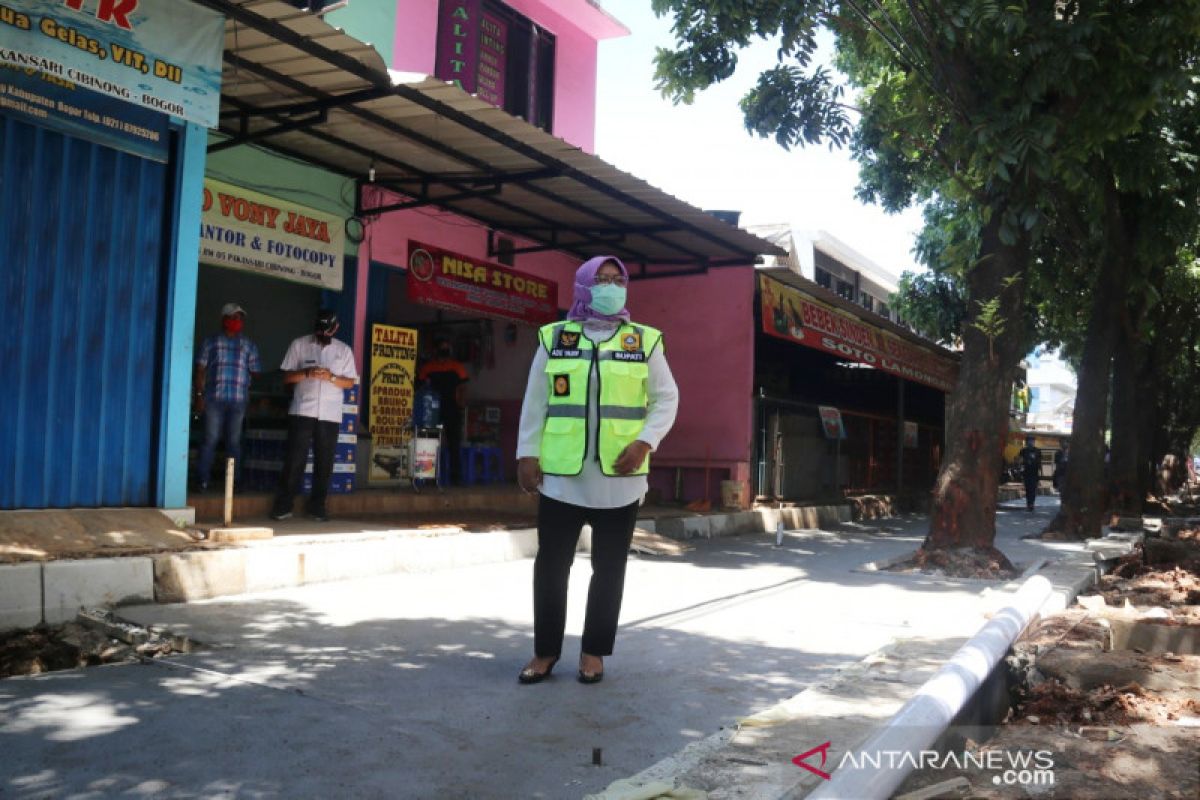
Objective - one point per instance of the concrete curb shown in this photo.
(757, 759)
(52, 591)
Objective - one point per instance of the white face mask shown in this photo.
(608, 298)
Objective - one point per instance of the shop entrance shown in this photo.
(84, 228)
(495, 354)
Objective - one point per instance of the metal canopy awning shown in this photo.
(294, 84)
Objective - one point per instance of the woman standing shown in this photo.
(600, 398)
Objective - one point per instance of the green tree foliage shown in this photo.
(995, 110)
(933, 303)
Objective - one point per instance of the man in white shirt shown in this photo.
(320, 367)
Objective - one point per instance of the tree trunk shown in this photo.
(1148, 411)
(1082, 511)
(1127, 445)
(964, 496)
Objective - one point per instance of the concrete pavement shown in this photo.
(404, 685)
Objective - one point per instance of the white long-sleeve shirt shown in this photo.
(591, 487)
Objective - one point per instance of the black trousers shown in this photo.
(558, 528)
(1031, 490)
(303, 431)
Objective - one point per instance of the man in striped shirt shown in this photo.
(225, 364)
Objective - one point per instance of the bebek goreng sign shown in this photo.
(160, 54)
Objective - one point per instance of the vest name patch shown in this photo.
(562, 385)
(558, 352)
(621, 355)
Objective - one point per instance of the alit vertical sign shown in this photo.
(458, 43)
(161, 54)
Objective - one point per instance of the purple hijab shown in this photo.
(585, 278)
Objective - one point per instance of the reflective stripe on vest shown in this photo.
(569, 434)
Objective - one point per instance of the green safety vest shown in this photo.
(570, 435)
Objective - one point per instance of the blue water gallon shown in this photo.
(427, 408)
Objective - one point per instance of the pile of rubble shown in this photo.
(96, 636)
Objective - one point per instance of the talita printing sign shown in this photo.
(161, 54)
(259, 233)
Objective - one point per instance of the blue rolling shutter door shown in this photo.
(81, 238)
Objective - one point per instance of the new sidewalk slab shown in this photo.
(754, 760)
(52, 591)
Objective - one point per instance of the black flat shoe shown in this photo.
(591, 677)
(530, 675)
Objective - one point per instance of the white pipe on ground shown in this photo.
(919, 723)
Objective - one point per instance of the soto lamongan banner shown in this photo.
(789, 313)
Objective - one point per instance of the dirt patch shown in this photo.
(89, 533)
(96, 638)
(967, 562)
(1114, 723)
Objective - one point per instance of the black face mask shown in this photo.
(325, 335)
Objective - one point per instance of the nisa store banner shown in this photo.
(443, 279)
(51, 102)
(258, 233)
(161, 54)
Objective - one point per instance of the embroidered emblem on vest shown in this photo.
(631, 342)
(562, 385)
(567, 340)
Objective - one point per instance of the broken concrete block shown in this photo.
(239, 534)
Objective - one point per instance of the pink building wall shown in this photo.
(575, 56)
(708, 326)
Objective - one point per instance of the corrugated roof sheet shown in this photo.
(293, 83)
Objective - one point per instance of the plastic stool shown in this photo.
(492, 471)
(480, 464)
(466, 458)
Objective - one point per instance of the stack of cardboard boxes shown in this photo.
(342, 480)
(264, 450)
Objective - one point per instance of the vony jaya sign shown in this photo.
(255, 232)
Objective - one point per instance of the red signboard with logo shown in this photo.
(789, 313)
(445, 279)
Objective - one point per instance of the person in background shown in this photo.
(1031, 469)
(1061, 457)
(225, 365)
(449, 379)
(600, 397)
(320, 367)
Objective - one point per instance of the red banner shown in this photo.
(444, 279)
(789, 313)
